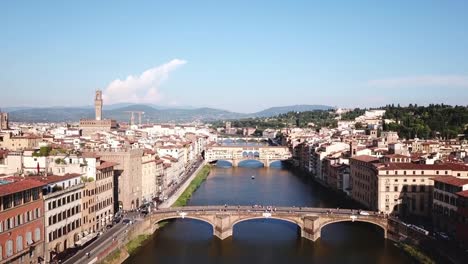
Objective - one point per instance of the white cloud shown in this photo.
(143, 88)
(422, 81)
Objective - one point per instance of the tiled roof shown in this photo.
(451, 180)
(417, 166)
(18, 184)
(365, 158)
(106, 164)
(463, 193)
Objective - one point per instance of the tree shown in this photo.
(358, 125)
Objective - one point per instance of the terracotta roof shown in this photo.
(463, 193)
(365, 158)
(451, 180)
(417, 166)
(106, 164)
(18, 184)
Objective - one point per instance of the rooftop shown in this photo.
(17, 184)
(451, 180)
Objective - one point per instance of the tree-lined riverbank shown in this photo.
(194, 184)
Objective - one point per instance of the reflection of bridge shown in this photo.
(309, 220)
(246, 139)
(236, 154)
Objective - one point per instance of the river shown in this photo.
(266, 241)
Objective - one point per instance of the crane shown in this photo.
(132, 119)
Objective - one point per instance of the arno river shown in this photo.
(266, 241)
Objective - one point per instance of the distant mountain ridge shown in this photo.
(152, 113)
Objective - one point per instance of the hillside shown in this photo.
(152, 113)
(274, 111)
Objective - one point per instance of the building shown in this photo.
(128, 171)
(90, 126)
(62, 205)
(397, 187)
(461, 228)
(4, 121)
(445, 206)
(21, 221)
(98, 202)
(21, 142)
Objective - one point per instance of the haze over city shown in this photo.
(219, 53)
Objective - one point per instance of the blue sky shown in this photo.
(236, 55)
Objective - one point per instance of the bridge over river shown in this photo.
(236, 154)
(310, 220)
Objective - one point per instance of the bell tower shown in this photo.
(98, 104)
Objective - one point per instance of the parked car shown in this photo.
(126, 221)
(117, 219)
(363, 213)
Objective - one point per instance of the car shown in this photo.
(443, 236)
(126, 221)
(117, 219)
(363, 213)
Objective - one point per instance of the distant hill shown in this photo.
(273, 111)
(152, 114)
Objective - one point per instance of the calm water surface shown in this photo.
(266, 241)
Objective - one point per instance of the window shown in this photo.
(37, 234)
(18, 198)
(35, 194)
(395, 188)
(27, 196)
(19, 244)
(9, 248)
(29, 238)
(6, 202)
(38, 212)
(1, 252)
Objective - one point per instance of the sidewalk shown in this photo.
(171, 200)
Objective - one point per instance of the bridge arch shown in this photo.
(250, 160)
(369, 221)
(246, 219)
(190, 217)
(224, 163)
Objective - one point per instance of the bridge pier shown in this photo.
(222, 226)
(311, 228)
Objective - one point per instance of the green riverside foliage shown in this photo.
(135, 243)
(196, 182)
(425, 122)
(112, 257)
(416, 254)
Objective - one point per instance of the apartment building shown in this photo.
(400, 188)
(21, 221)
(445, 205)
(62, 206)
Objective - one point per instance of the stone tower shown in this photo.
(98, 104)
(3, 120)
(353, 148)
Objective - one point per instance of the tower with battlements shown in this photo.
(98, 104)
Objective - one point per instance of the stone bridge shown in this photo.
(309, 220)
(236, 154)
